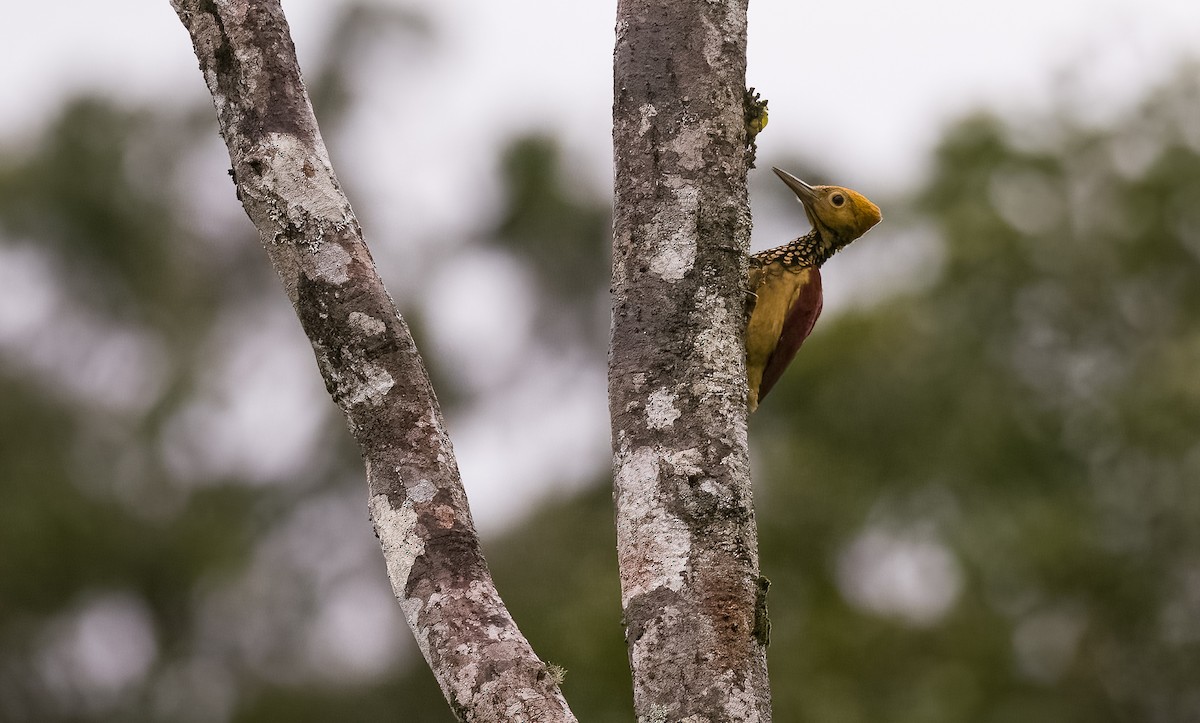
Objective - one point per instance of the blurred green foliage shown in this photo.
(1031, 410)
(977, 500)
(556, 230)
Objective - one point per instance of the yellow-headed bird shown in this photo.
(785, 282)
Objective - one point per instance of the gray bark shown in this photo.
(371, 367)
(686, 534)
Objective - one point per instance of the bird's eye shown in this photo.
(837, 199)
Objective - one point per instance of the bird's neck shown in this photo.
(811, 250)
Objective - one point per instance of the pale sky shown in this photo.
(863, 88)
(894, 71)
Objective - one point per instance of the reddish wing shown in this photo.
(796, 328)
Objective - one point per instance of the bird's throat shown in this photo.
(811, 250)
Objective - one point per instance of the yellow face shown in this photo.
(841, 214)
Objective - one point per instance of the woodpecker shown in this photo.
(785, 282)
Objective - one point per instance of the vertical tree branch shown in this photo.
(371, 367)
(686, 533)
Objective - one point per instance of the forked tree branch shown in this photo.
(692, 596)
(486, 668)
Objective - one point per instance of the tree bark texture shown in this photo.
(686, 535)
(486, 668)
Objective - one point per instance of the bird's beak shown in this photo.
(806, 193)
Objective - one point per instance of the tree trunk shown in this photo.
(371, 367)
(687, 543)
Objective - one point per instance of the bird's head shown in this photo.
(839, 214)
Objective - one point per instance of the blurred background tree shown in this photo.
(977, 488)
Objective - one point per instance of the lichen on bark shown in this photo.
(686, 536)
(370, 365)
